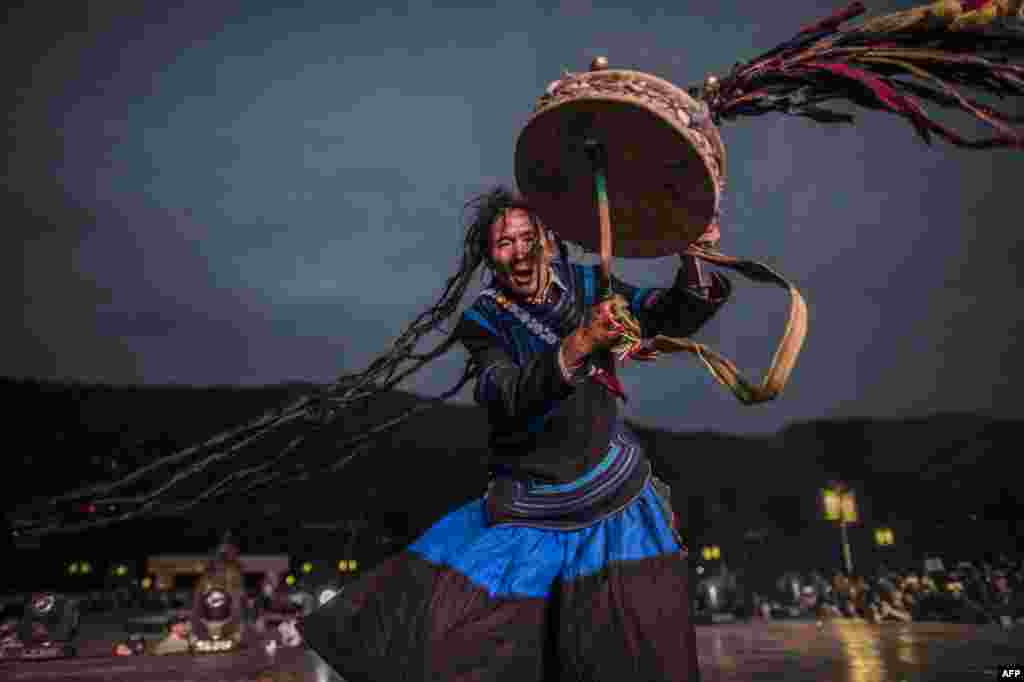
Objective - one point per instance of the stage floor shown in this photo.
(838, 651)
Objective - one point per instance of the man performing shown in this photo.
(569, 567)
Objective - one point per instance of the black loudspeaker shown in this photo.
(217, 620)
(48, 617)
(215, 606)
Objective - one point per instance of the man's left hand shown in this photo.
(712, 235)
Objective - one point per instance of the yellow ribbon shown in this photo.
(723, 369)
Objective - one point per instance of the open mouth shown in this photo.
(522, 277)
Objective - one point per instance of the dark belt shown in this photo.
(602, 491)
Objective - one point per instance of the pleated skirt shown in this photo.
(469, 601)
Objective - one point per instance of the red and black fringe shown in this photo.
(895, 63)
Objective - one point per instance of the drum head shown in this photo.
(665, 163)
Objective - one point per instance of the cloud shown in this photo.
(256, 193)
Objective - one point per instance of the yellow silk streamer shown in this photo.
(720, 367)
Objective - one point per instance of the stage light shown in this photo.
(327, 594)
(215, 606)
(73, 568)
(48, 617)
(86, 568)
(830, 502)
(307, 567)
(209, 646)
(290, 580)
(147, 583)
(884, 537)
(216, 618)
(121, 571)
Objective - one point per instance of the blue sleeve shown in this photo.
(507, 390)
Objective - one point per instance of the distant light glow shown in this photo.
(839, 504)
(290, 580)
(830, 500)
(849, 507)
(214, 645)
(307, 567)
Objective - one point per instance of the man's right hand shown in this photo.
(599, 332)
(603, 329)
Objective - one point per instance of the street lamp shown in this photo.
(883, 537)
(711, 553)
(840, 504)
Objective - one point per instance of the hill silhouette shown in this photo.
(924, 476)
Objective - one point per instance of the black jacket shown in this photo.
(544, 427)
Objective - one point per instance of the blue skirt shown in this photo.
(473, 601)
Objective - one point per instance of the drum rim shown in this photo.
(714, 159)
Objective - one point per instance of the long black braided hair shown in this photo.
(308, 413)
(401, 360)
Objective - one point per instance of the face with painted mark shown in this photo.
(520, 254)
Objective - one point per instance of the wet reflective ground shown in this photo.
(839, 651)
(856, 651)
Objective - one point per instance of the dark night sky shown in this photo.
(215, 191)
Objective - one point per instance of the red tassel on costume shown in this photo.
(884, 93)
(839, 17)
(932, 54)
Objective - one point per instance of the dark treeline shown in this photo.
(940, 482)
(75, 433)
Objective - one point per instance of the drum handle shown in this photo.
(598, 159)
(723, 369)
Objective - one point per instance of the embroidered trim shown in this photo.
(534, 500)
(481, 320)
(533, 324)
(554, 524)
(557, 488)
